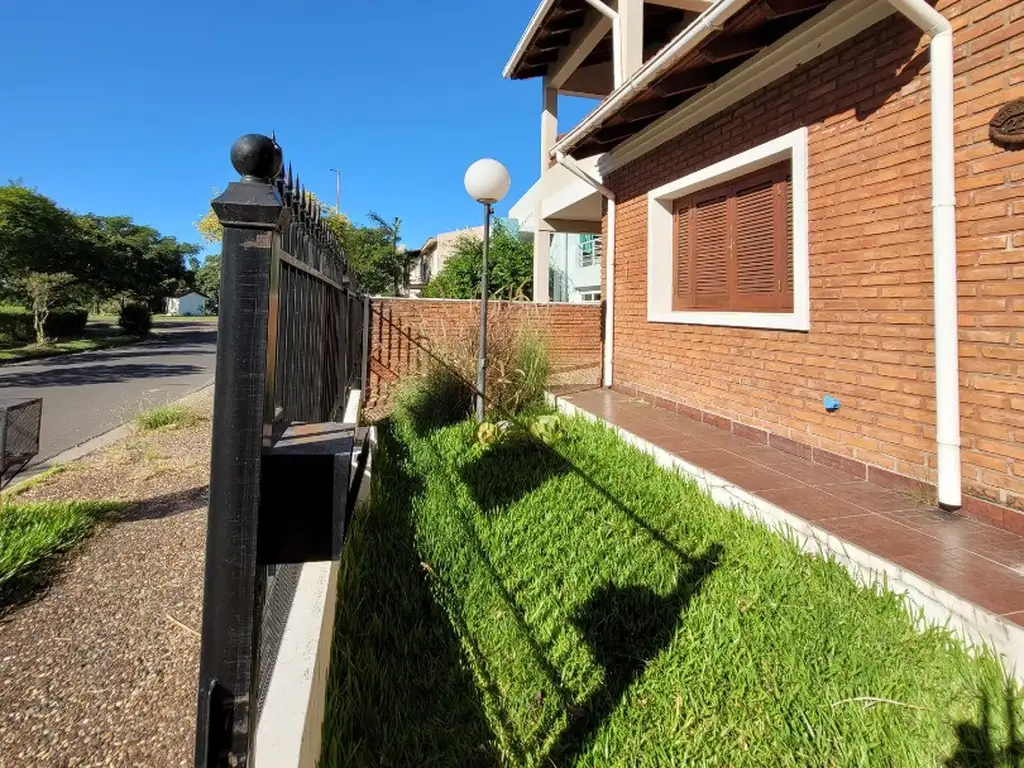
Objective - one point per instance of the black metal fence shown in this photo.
(291, 350)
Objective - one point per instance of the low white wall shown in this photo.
(289, 730)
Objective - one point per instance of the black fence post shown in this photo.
(251, 212)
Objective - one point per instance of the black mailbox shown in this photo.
(308, 485)
(20, 420)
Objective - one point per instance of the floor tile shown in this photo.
(811, 503)
(871, 497)
(752, 477)
(982, 582)
(878, 534)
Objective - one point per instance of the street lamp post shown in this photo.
(487, 181)
(337, 189)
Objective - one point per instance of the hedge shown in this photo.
(16, 324)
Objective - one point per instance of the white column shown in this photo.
(548, 125)
(541, 230)
(628, 39)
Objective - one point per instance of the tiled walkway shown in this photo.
(977, 562)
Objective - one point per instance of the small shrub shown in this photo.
(517, 363)
(438, 398)
(167, 417)
(135, 319)
(16, 324)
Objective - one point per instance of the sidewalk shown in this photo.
(99, 668)
(972, 561)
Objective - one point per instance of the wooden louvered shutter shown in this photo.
(762, 237)
(733, 245)
(682, 257)
(710, 244)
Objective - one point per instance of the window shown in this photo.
(728, 244)
(734, 245)
(590, 294)
(589, 252)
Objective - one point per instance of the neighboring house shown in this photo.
(189, 303)
(811, 229)
(573, 259)
(433, 254)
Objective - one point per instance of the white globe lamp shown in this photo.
(487, 181)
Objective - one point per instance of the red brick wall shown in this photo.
(404, 333)
(866, 106)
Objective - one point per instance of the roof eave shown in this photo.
(527, 38)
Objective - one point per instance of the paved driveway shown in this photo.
(87, 394)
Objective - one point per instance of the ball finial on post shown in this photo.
(256, 157)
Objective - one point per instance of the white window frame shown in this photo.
(661, 281)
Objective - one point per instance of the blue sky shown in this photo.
(131, 108)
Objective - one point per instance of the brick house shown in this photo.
(804, 203)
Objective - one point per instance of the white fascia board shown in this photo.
(527, 38)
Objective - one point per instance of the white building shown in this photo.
(433, 254)
(187, 304)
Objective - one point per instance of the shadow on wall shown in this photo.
(400, 348)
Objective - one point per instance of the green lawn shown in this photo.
(580, 606)
(185, 319)
(32, 533)
(95, 338)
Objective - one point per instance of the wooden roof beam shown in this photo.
(580, 46)
(683, 5)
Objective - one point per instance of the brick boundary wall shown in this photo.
(405, 333)
(866, 107)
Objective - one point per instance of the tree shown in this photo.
(398, 259)
(209, 227)
(510, 268)
(45, 290)
(35, 236)
(132, 260)
(208, 281)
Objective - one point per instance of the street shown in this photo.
(87, 394)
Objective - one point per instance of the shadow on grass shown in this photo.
(984, 745)
(439, 399)
(508, 471)
(400, 691)
(625, 629)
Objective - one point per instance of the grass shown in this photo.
(173, 416)
(580, 606)
(33, 533)
(37, 479)
(185, 319)
(96, 340)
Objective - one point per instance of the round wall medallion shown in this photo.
(1007, 126)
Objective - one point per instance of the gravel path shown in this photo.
(100, 670)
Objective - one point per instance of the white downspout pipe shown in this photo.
(947, 355)
(609, 298)
(608, 249)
